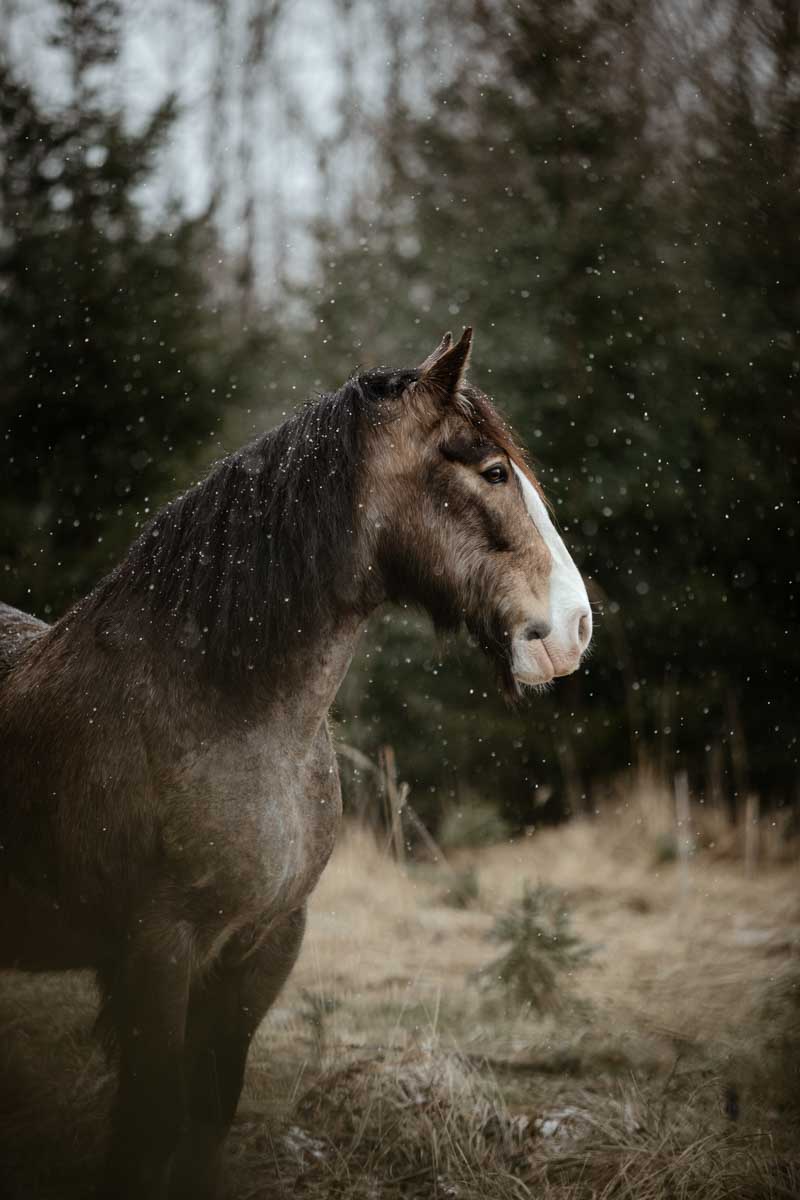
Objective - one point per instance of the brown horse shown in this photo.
(168, 789)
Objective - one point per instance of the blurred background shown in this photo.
(211, 210)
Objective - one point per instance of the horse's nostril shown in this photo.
(583, 627)
(537, 631)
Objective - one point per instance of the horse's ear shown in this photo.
(443, 346)
(447, 371)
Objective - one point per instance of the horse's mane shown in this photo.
(253, 557)
(247, 558)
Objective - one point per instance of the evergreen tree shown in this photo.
(111, 375)
(743, 342)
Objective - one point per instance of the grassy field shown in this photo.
(663, 1063)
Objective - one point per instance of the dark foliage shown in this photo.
(111, 367)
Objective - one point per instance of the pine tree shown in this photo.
(744, 349)
(111, 376)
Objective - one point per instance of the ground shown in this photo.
(665, 1065)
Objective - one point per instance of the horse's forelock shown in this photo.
(482, 414)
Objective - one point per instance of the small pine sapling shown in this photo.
(539, 951)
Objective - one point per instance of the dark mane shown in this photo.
(254, 556)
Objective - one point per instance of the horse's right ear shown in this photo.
(447, 366)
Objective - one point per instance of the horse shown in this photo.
(169, 793)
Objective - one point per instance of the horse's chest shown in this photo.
(255, 825)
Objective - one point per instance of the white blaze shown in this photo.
(570, 612)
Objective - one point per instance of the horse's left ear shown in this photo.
(442, 348)
(445, 370)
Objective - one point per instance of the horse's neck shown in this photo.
(308, 685)
(288, 693)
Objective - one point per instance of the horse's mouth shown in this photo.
(541, 661)
(531, 662)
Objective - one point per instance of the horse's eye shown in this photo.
(495, 474)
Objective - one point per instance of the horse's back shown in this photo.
(17, 631)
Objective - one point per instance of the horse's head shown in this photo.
(458, 524)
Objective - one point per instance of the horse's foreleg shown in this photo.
(225, 1011)
(148, 1007)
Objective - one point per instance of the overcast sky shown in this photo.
(302, 89)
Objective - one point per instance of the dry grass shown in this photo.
(384, 1072)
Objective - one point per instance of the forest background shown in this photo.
(210, 211)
